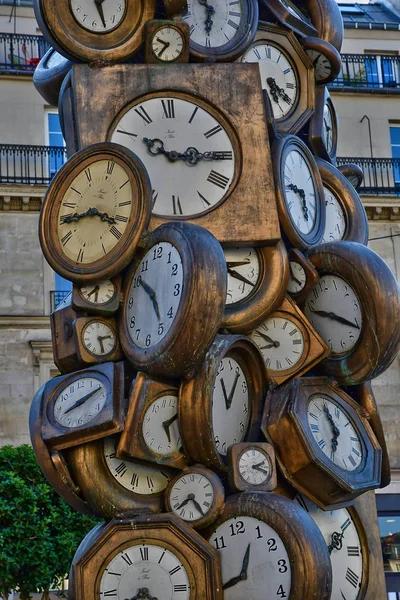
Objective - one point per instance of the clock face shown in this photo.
(243, 267)
(99, 338)
(160, 427)
(322, 66)
(95, 212)
(230, 405)
(299, 191)
(281, 343)
(335, 224)
(154, 296)
(98, 293)
(333, 309)
(344, 544)
(167, 43)
(80, 402)
(192, 496)
(334, 433)
(254, 560)
(328, 128)
(278, 76)
(214, 25)
(150, 567)
(254, 466)
(188, 153)
(297, 278)
(99, 16)
(133, 476)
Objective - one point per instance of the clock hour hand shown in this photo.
(167, 424)
(334, 317)
(236, 263)
(100, 339)
(268, 339)
(230, 398)
(188, 499)
(258, 467)
(95, 291)
(243, 572)
(336, 541)
(165, 44)
(82, 400)
(151, 293)
(225, 394)
(240, 277)
(197, 505)
(335, 430)
(99, 7)
(191, 156)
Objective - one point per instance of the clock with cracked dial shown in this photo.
(243, 266)
(297, 277)
(333, 309)
(99, 16)
(188, 149)
(160, 428)
(80, 402)
(281, 342)
(334, 433)
(335, 224)
(99, 338)
(344, 537)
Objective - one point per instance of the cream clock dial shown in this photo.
(100, 16)
(335, 224)
(167, 43)
(300, 191)
(345, 548)
(94, 212)
(154, 296)
(328, 128)
(254, 466)
(281, 343)
(150, 567)
(216, 27)
(243, 267)
(297, 278)
(333, 309)
(278, 76)
(99, 338)
(191, 496)
(187, 152)
(230, 405)
(98, 293)
(133, 476)
(80, 402)
(334, 433)
(160, 426)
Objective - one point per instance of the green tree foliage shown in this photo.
(39, 532)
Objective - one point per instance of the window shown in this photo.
(395, 145)
(55, 139)
(62, 288)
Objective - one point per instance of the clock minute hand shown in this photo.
(240, 277)
(197, 505)
(243, 572)
(151, 293)
(99, 7)
(82, 400)
(334, 317)
(231, 395)
(236, 263)
(268, 339)
(167, 424)
(258, 467)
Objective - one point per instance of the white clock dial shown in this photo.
(149, 566)
(98, 293)
(333, 309)
(80, 402)
(176, 125)
(154, 296)
(167, 43)
(278, 76)
(328, 128)
(95, 211)
(191, 497)
(160, 426)
(99, 338)
(297, 278)
(99, 17)
(249, 546)
(281, 343)
(133, 476)
(230, 405)
(300, 191)
(254, 466)
(334, 433)
(243, 273)
(216, 28)
(322, 66)
(344, 545)
(335, 224)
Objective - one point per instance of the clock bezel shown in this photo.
(311, 272)
(316, 137)
(297, 22)
(48, 81)
(151, 28)
(353, 173)
(331, 54)
(236, 480)
(84, 355)
(327, 19)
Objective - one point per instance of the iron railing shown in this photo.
(56, 298)
(381, 175)
(369, 71)
(30, 165)
(20, 53)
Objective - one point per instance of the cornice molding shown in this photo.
(22, 322)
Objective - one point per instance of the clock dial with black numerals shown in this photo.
(99, 293)
(99, 17)
(300, 191)
(335, 224)
(188, 152)
(80, 402)
(160, 427)
(297, 278)
(243, 265)
(281, 343)
(214, 24)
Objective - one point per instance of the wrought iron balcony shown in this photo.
(369, 71)
(20, 53)
(381, 175)
(30, 165)
(56, 298)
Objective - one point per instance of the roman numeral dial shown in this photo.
(220, 27)
(281, 342)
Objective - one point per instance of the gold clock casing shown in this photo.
(237, 481)
(152, 29)
(315, 48)
(82, 301)
(316, 136)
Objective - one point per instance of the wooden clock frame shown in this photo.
(230, 103)
(150, 31)
(311, 272)
(236, 482)
(319, 45)
(104, 309)
(199, 558)
(242, 317)
(303, 463)
(316, 138)
(327, 19)
(375, 286)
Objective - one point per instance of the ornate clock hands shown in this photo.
(243, 572)
(143, 594)
(152, 296)
(167, 424)
(268, 339)
(82, 401)
(302, 194)
(240, 277)
(99, 7)
(191, 156)
(210, 10)
(91, 212)
(277, 91)
(335, 430)
(336, 541)
(331, 315)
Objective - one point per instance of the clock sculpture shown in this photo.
(214, 403)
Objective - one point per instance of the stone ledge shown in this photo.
(382, 208)
(21, 198)
(22, 322)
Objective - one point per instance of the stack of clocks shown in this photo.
(214, 405)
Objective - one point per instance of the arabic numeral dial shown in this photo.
(160, 426)
(99, 17)
(80, 402)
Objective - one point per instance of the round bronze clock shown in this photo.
(86, 31)
(353, 173)
(325, 58)
(323, 127)
(94, 213)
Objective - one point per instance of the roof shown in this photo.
(368, 16)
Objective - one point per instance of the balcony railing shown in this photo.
(369, 71)
(56, 298)
(30, 165)
(381, 175)
(21, 53)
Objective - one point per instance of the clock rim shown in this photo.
(315, 131)
(352, 170)
(312, 275)
(174, 26)
(329, 51)
(236, 481)
(297, 24)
